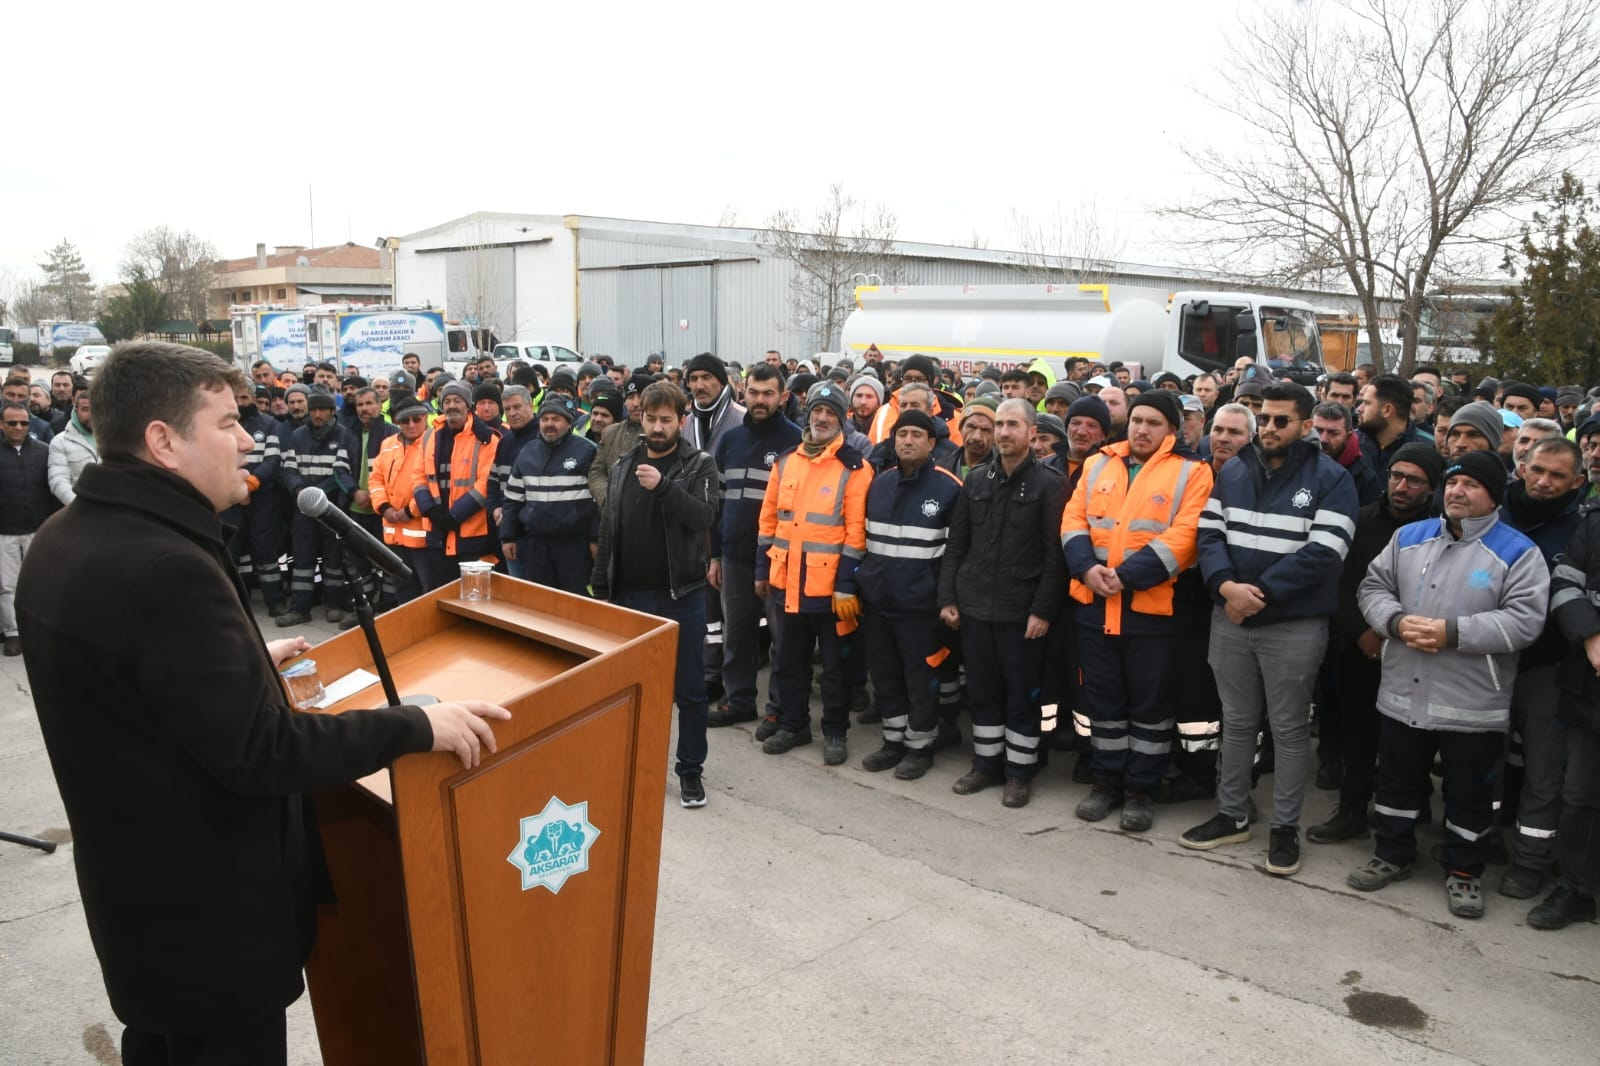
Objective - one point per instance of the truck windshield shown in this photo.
(5, 335)
(1289, 339)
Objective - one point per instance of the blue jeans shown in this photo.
(689, 681)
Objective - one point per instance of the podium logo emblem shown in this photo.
(554, 845)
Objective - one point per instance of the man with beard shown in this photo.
(297, 400)
(812, 535)
(655, 560)
(73, 447)
(1331, 421)
(713, 414)
(1544, 506)
(455, 495)
(372, 429)
(260, 520)
(1272, 541)
(618, 440)
(1474, 427)
(316, 455)
(866, 396)
(548, 518)
(1415, 473)
(393, 481)
(1341, 388)
(1385, 419)
(745, 458)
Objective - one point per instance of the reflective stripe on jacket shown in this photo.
(457, 469)
(392, 479)
(813, 528)
(1144, 528)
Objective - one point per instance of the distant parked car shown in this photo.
(89, 357)
(549, 356)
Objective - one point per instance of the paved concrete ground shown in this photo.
(826, 915)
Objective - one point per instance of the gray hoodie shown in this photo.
(1493, 590)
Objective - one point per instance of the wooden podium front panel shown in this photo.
(508, 974)
(541, 964)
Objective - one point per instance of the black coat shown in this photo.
(25, 496)
(1002, 561)
(178, 759)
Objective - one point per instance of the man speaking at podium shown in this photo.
(179, 760)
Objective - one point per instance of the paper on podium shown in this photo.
(347, 686)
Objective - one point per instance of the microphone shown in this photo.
(314, 503)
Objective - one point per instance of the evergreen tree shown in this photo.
(67, 282)
(1549, 329)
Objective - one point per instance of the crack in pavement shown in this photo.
(43, 910)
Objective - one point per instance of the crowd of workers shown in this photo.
(1185, 584)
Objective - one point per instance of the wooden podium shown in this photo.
(504, 914)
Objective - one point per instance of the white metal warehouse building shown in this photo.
(627, 288)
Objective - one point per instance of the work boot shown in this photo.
(13, 645)
(914, 765)
(293, 618)
(335, 614)
(1341, 825)
(1083, 769)
(1017, 792)
(349, 623)
(834, 751)
(768, 726)
(974, 781)
(1520, 882)
(1136, 814)
(885, 758)
(1329, 775)
(1101, 801)
(1375, 874)
(1561, 908)
(726, 715)
(1464, 894)
(785, 740)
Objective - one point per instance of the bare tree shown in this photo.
(841, 239)
(1065, 246)
(180, 264)
(23, 300)
(1383, 138)
(478, 285)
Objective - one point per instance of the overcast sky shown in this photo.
(396, 118)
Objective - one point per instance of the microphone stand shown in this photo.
(46, 846)
(369, 628)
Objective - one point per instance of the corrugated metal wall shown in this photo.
(635, 293)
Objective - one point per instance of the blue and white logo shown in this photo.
(554, 845)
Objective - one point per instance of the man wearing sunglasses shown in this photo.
(1272, 542)
(25, 502)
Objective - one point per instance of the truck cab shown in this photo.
(1209, 331)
